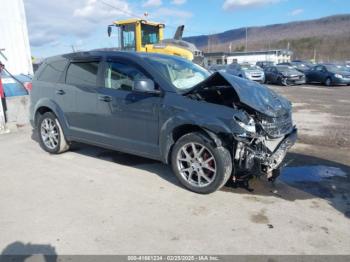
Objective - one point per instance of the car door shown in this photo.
(129, 120)
(82, 76)
(274, 75)
(318, 74)
(50, 81)
(267, 74)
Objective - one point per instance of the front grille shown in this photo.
(277, 126)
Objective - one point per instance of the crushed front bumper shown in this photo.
(257, 159)
(275, 160)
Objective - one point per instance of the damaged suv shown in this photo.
(210, 128)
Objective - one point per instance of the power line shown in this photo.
(119, 9)
(135, 15)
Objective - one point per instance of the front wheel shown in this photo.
(328, 81)
(51, 137)
(199, 165)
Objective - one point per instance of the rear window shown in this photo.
(82, 73)
(52, 71)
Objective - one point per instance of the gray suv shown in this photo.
(209, 127)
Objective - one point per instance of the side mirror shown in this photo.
(109, 31)
(145, 85)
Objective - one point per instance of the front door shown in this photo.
(318, 74)
(128, 119)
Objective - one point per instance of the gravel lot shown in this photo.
(95, 201)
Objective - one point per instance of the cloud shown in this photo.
(64, 22)
(171, 12)
(239, 4)
(178, 2)
(95, 10)
(296, 12)
(152, 3)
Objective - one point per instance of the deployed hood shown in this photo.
(250, 93)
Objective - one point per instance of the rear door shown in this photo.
(50, 84)
(82, 77)
(128, 119)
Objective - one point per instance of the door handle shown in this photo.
(60, 92)
(105, 98)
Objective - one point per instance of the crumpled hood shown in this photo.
(256, 96)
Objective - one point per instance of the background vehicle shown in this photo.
(263, 64)
(145, 36)
(247, 71)
(217, 68)
(328, 74)
(284, 75)
(161, 107)
(15, 85)
(298, 65)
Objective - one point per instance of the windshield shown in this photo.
(249, 67)
(182, 73)
(286, 69)
(150, 34)
(301, 66)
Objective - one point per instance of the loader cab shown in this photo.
(135, 34)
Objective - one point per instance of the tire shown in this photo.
(283, 81)
(196, 173)
(328, 81)
(55, 142)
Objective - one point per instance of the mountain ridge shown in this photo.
(305, 38)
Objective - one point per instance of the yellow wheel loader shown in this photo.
(144, 36)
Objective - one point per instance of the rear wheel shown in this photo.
(51, 137)
(199, 165)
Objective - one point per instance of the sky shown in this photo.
(57, 27)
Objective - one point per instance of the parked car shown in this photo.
(247, 71)
(216, 68)
(15, 85)
(263, 64)
(284, 75)
(328, 74)
(208, 127)
(298, 65)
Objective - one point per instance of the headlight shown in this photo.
(338, 76)
(249, 127)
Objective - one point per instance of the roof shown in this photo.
(137, 20)
(105, 52)
(248, 52)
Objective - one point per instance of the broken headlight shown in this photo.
(248, 124)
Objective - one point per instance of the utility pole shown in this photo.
(246, 39)
(315, 55)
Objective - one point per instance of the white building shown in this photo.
(14, 42)
(221, 58)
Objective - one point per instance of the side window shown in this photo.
(82, 73)
(52, 71)
(319, 68)
(121, 76)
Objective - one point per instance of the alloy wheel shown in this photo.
(196, 164)
(49, 133)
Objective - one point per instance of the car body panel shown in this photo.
(145, 124)
(320, 73)
(290, 76)
(252, 73)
